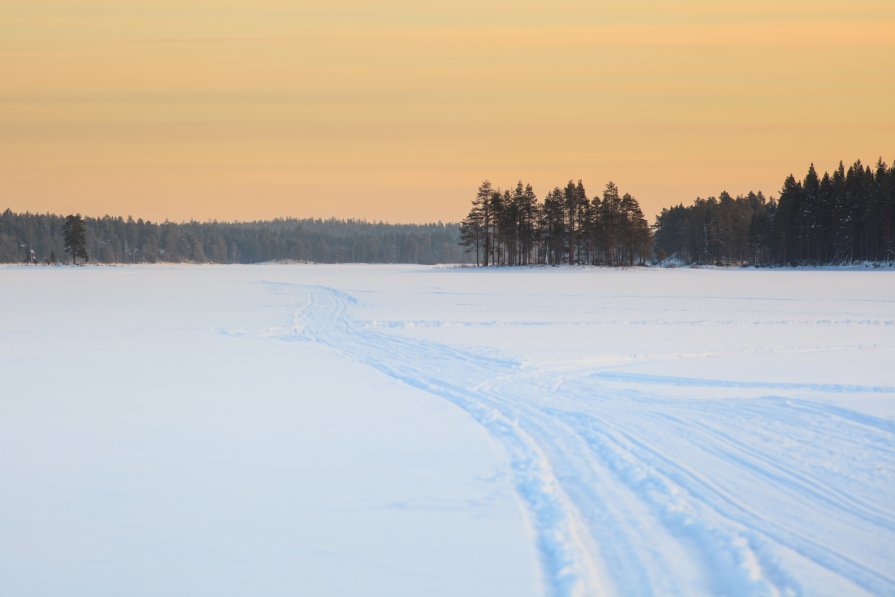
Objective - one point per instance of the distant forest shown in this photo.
(38, 238)
(836, 218)
(841, 217)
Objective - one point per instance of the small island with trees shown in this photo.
(513, 228)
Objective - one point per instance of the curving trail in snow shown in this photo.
(633, 490)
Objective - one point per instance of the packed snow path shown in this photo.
(633, 490)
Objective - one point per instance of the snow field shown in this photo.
(562, 431)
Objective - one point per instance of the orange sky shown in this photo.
(396, 110)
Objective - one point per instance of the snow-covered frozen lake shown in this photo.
(401, 430)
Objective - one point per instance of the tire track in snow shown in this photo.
(838, 482)
(599, 469)
(667, 380)
(569, 565)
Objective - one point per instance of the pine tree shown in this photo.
(610, 216)
(471, 233)
(75, 237)
(583, 218)
(529, 214)
(482, 205)
(552, 227)
(495, 209)
(574, 200)
(595, 231)
(636, 237)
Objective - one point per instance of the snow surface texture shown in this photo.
(392, 430)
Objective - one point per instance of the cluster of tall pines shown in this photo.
(41, 238)
(838, 218)
(512, 227)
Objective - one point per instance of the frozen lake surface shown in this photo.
(402, 430)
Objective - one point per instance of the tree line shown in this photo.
(512, 227)
(41, 238)
(841, 217)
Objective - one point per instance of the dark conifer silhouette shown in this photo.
(515, 229)
(74, 236)
(836, 218)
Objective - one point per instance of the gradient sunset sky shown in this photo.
(397, 109)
